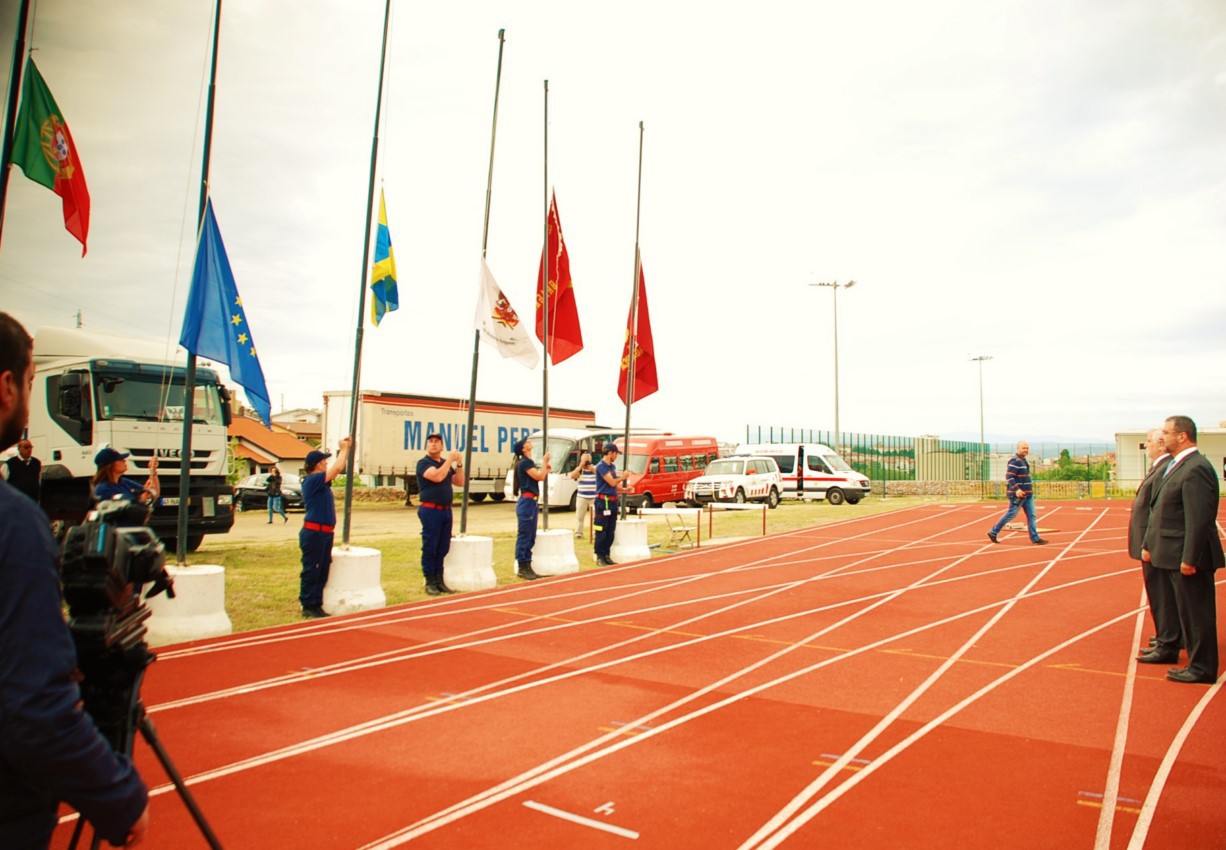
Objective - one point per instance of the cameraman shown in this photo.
(50, 750)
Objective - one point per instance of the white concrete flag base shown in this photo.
(353, 582)
(470, 564)
(197, 611)
(630, 541)
(554, 552)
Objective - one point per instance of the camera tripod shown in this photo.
(106, 563)
(137, 718)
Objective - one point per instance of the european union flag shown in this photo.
(214, 325)
(384, 297)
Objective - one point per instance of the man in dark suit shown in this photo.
(1164, 647)
(24, 471)
(1181, 540)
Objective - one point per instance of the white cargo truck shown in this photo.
(94, 390)
(392, 430)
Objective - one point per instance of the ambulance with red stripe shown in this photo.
(813, 471)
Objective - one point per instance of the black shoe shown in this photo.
(442, 586)
(1183, 674)
(1158, 657)
(606, 562)
(992, 536)
(1153, 641)
(270, 522)
(432, 588)
(315, 612)
(1039, 542)
(525, 572)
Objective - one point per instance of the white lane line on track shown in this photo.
(1111, 793)
(790, 818)
(577, 758)
(451, 643)
(1141, 830)
(580, 819)
(464, 604)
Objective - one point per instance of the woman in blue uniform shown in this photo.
(109, 482)
(528, 478)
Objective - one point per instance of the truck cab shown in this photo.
(92, 391)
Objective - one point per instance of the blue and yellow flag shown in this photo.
(383, 289)
(214, 325)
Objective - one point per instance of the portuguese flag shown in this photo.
(44, 149)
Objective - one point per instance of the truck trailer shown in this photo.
(392, 430)
(94, 390)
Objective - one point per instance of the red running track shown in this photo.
(890, 681)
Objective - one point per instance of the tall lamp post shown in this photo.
(982, 447)
(834, 287)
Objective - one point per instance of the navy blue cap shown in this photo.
(108, 456)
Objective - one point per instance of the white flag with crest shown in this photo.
(498, 323)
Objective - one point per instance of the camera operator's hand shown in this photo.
(137, 833)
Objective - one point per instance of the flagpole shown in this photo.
(10, 113)
(633, 330)
(485, 238)
(545, 325)
(357, 345)
(189, 380)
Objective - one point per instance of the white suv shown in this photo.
(741, 478)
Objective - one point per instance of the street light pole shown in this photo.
(834, 287)
(982, 447)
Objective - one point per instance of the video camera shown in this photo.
(106, 563)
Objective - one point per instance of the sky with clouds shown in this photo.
(1039, 182)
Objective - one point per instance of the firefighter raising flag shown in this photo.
(645, 382)
(565, 337)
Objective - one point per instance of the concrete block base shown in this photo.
(197, 611)
(470, 564)
(630, 541)
(354, 581)
(554, 552)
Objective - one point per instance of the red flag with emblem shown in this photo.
(645, 381)
(565, 336)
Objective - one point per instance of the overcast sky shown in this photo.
(1038, 181)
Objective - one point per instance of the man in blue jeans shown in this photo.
(1021, 495)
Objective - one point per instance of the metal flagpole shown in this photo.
(10, 113)
(357, 345)
(544, 500)
(189, 380)
(632, 332)
(485, 238)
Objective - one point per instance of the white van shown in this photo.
(813, 471)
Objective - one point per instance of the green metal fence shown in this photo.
(885, 458)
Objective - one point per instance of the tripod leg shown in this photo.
(151, 737)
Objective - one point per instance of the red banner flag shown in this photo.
(565, 337)
(645, 381)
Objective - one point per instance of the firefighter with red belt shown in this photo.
(315, 539)
(528, 478)
(608, 485)
(435, 477)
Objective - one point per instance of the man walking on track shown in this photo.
(435, 477)
(1021, 495)
(1181, 541)
(1164, 647)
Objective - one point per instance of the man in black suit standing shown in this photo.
(1164, 647)
(1181, 540)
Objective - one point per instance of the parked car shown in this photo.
(742, 478)
(251, 493)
